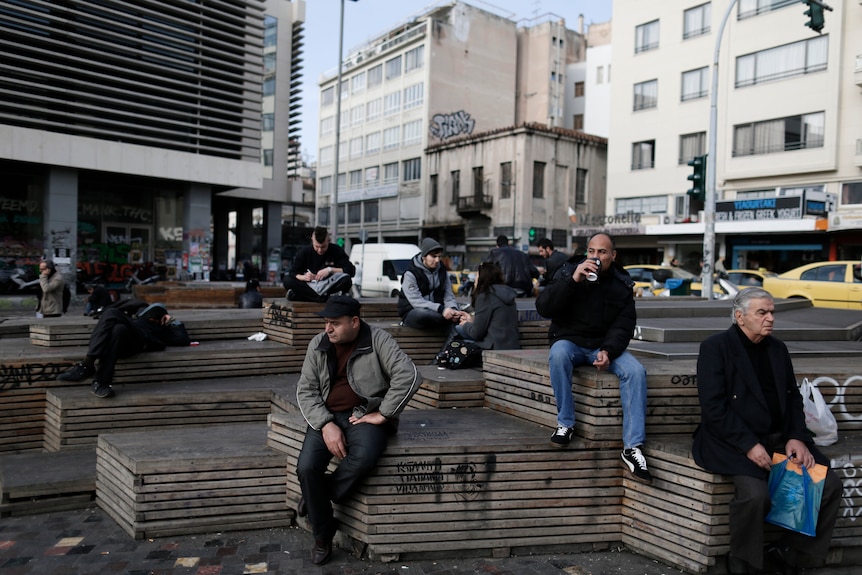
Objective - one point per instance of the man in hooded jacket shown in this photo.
(426, 300)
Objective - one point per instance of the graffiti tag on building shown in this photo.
(445, 126)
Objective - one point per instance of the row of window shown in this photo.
(389, 139)
(410, 171)
(755, 138)
(697, 21)
(374, 76)
(388, 105)
(367, 211)
(794, 59)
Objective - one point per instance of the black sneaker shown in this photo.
(77, 373)
(290, 295)
(562, 436)
(102, 391)
(636, 463)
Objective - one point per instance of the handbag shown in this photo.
(818, 418)
(459, 354)
(795, 493)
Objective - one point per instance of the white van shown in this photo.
(381, 267)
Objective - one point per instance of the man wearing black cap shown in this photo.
(426, 300)
(355, 381)
(517, 268)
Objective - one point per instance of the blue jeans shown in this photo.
(565, 356)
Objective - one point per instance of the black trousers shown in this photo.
(365, 445)
(304, 293)
(114, 337)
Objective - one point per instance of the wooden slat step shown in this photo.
(46, 482)
(192, 480)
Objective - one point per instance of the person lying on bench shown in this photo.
(123, 331)
(355, 381)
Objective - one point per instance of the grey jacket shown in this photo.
(495, 325)
(52, 293)
(377, 370)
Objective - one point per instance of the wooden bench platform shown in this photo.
(458, 481)
(74, 417)
(202, 325)
(191, 480)
(177, 295)
(448, 388)
(46, 482)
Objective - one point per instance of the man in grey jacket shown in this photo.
(355, 381)
(426, 300)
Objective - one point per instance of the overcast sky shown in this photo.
(366, 19)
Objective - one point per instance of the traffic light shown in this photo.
(532, 234)
(816, 20)
(698, 178)
(340, 242)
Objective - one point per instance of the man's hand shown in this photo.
(166, 319)
(602, 361)
(452, 314)
(760, 457)
(334, 439)
(374, 418)
(322, 274)
(798, 452)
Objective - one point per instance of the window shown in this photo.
(375, 76)
(325, 185)
(269, 64)
(695, 84)
(354, 213)
(372, 143)
(393, 68)
(646, 37)
(267, 157)
(432, 190)
(478, 182)
(749, 8)
(270, 31)
(357, 83)
(691, 146)
(643, 155)
(392, 103)
(505, 180)
(345, 88)
(371, 210)
(372, 176)
(578, 122)
(327, 125)
(341, 182)
(269, 86)
(581, 186)
(827, 273)
(782, 62)
(326, 156)
(600, 75)
(413, 96)
(390, 173)
(646, 95)
(357, 113)
(345, 119)
(391, 137)
(412, 170)
(455, 176)
(696, 21)
(373, 109)
(644, 205)
(538, 179)
(579, 89)
(356, 147)
(342, 151)
(414, 58)
(355, 177)
(851, 193)
(779, 135)
(412, 133)
(268, 122)
(323, 216)
(327, 96)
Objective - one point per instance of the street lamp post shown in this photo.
(334, 207)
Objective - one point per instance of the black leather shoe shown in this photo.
(783, 559)
(322, 551)
(301, 508)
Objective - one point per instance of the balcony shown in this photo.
(474, 205)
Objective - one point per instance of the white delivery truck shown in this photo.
(381, 267)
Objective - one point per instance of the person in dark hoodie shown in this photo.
(495, 322)
(592, 321)
(426, 300)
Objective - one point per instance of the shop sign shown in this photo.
(783, 208)
(626, 224)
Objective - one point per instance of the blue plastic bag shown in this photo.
(795, 495)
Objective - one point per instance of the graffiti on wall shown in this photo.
(445, 126)
(464, 481)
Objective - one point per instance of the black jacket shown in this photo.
(308, 259)
(553, 263)
(734, 413)
(517, 269)
(597, 315)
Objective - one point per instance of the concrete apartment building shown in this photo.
(789, 135)
(131, 131)
(445, 89)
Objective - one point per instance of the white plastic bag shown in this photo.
(818, 419)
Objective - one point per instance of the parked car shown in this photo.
(649, 277)
(835, 284)
(455, 280)
(748, 278)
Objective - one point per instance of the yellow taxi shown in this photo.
(748, 278)
(835, 284)
(649, 277)
(455, 280)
